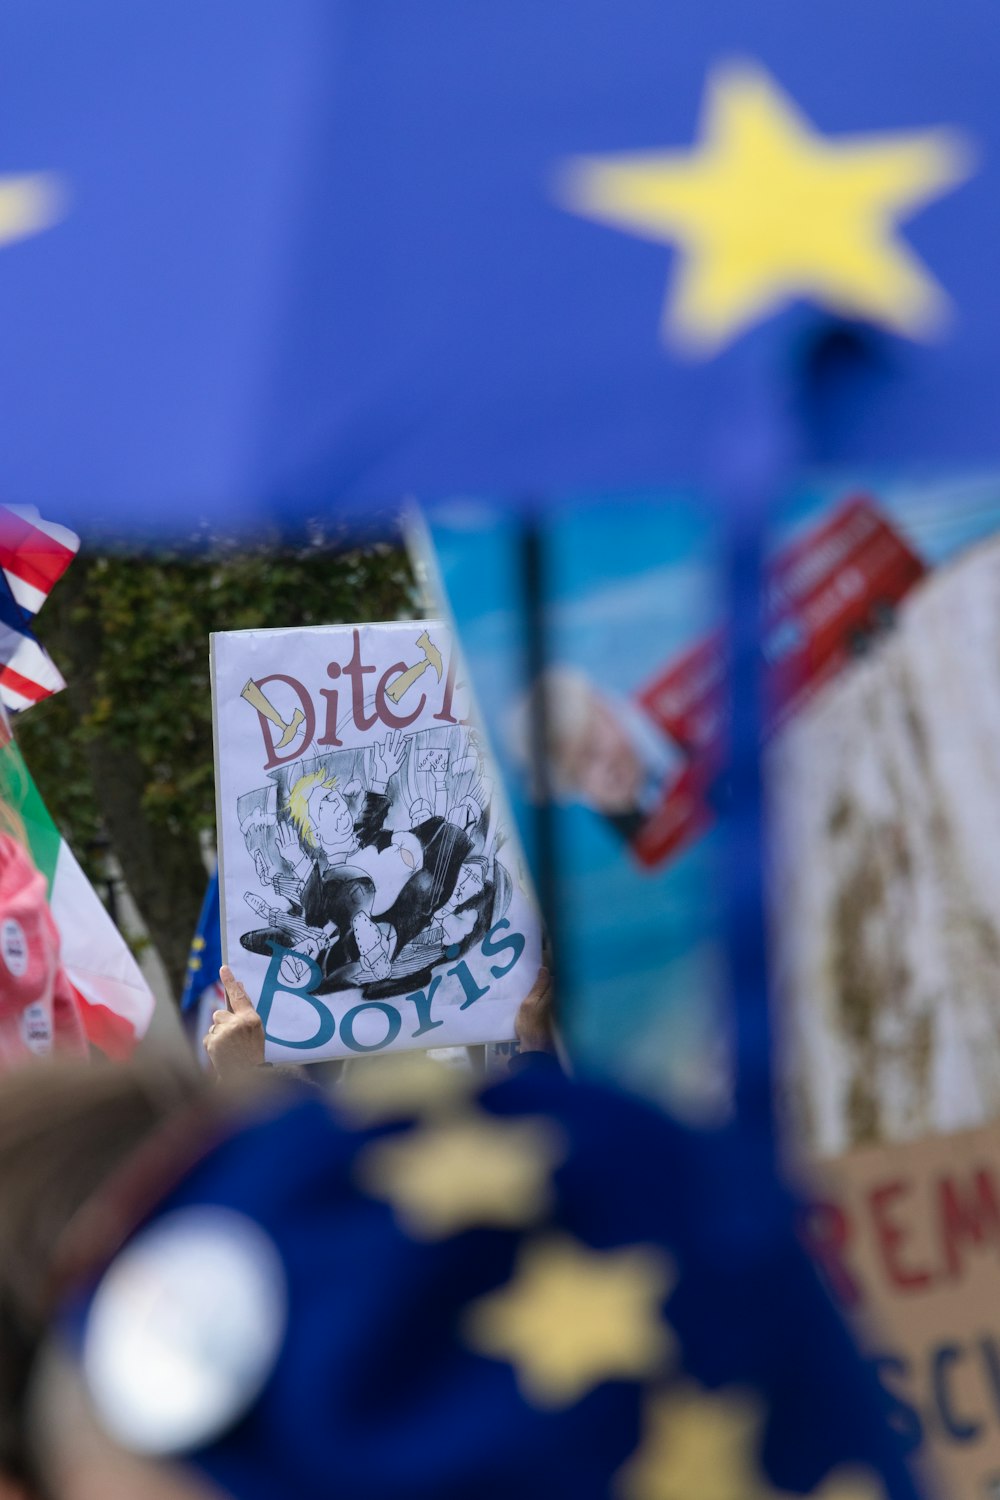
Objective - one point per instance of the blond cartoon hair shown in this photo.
(298, 802)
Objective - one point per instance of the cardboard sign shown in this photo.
(908, 1238)
(371, 896)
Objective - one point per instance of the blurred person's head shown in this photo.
(64, 1131)
(77, 1460)
(330, 1301)
(589, 753)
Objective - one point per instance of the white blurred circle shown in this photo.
(184, 1330)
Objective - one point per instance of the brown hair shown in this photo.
(65, 1129)
(12, 823)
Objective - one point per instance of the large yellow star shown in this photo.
(457, 1173)
(850, 1483)
(696, 1444)
(764, 210)
(572, 1317)
(708, 1444)
(377, 1089)
(29, 203)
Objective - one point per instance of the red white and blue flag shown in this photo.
(116, 1003)
(34, 554)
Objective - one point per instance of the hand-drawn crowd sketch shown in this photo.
(377, 862)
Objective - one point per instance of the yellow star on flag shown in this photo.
(764, 210)
(458, 1173)
(708, 1444)
(696, 1444)
(572, 1317)
(29, 203)
(850, 1483)
(393, 1088)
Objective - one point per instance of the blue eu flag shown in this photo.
(259, 258)
(551, 1291)
(201, 983)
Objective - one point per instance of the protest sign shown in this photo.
(372, 898)
(886, 877)
(627, 585)
(882, 624)
(908, 1237)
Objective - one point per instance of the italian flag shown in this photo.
(116, 1003)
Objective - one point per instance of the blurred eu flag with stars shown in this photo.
(203, 990)
(550, 1289)
(259, 258)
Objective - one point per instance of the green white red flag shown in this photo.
(116, 1003)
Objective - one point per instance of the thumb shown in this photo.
(237, 999)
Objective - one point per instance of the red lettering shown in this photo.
(975, 1219)
(332, 696)
(274, 732)
(891, 1236)
(826, 1231)
(385, 713)
(445, 715)
(355, 670)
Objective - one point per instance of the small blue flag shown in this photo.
(201, 986)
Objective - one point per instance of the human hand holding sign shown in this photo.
(534, 1023)
(235, 1040)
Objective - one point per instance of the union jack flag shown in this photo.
(34, 554)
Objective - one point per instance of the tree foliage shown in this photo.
(124, 755)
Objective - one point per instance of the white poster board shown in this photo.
(372, 897)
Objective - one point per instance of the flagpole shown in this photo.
(744, 857)
(534, 594)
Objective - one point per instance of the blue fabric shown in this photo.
(311, 256)
(13, 616)
(15, 629)
(375, 1397)
(206, 950)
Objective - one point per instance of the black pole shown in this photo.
(533, 578)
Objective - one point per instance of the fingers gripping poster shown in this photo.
(372, 898)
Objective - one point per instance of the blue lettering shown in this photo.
(423, 1004)
(490, 949)
(903, 1418)
(272, 986)
(942, 1360)
(473, 991)
(392, 1016)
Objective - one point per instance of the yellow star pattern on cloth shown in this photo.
(764, 210)
(696, 1444)
(470, 1170)
(571, 1318)
(374, 1090)
(706, 1444)
(850, 1483)
(29, 203)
